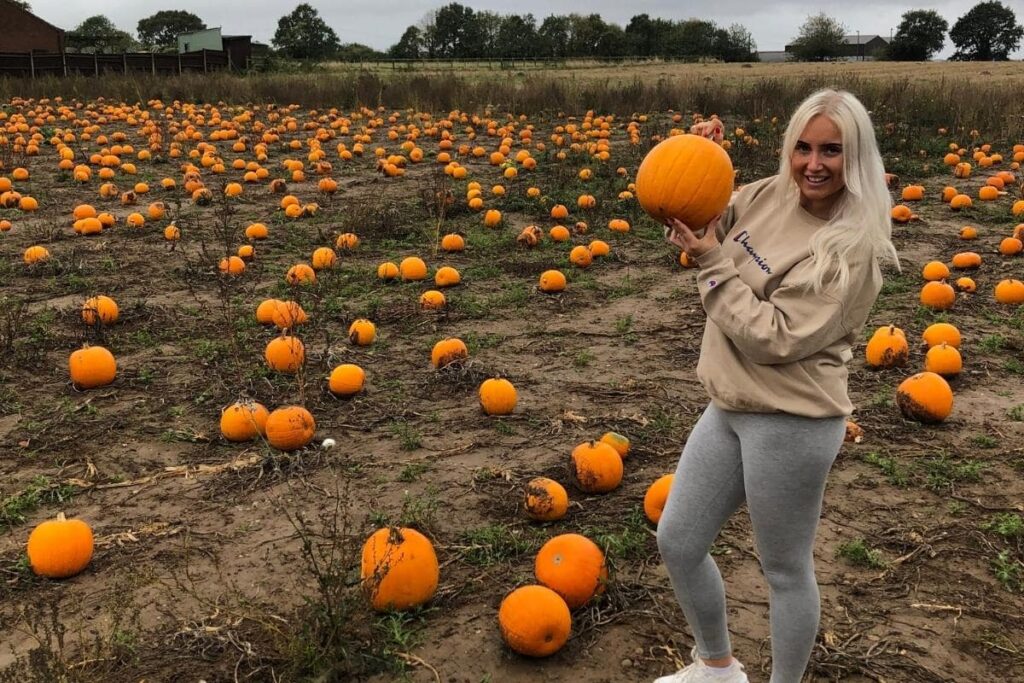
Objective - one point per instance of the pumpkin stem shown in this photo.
(61, 517)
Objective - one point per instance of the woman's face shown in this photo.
(817, 164)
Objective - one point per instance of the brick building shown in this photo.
(25, 32)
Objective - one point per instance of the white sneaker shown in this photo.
(699, 672)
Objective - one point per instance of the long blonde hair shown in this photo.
(860, 225)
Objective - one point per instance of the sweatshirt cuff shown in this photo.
(711, 257)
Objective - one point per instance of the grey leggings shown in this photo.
(778, 463)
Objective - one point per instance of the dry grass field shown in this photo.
(226, 561)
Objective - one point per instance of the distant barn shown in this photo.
(859, 47)
(238, 48)
(23, 31)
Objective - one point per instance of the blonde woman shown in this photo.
(788, 275)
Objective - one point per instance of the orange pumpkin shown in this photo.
(935, 270)
(286, 315)
(446, 276)
(546, 500)
(941, 333)
(412, 268)
(573, 566)
(887, 348)
(100, 309)
(243, 421)
(387, 271)
(1010, 292)
(534, 621)
(362, 332)
(398, 569)
(944, 360)
(938, 295)
(966, 260)
(432, 300)
(925, 397)
(552, 281)
(448, 352)
(498, 396)
(91, 367)
(1010, 246)
(346, 380)
(617, 441)
(686, 177)
(60, 548)
(656, 496)
(580, 256)
(290, 428)
(598, 467)
(285, 354)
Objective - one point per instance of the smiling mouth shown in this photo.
(816, 180)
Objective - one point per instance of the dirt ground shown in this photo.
(211, 556)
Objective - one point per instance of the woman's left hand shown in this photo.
(683, 237)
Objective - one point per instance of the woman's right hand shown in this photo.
(713, 129)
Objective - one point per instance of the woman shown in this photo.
(787, 278)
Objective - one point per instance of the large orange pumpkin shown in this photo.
(686, 177)
(399, 569)
(91, 367)
(59, 548)
(243, 421)
(290, 428)
(498, 396)
(534, 621)
(598, 467)
(925, 397)
(887, 348)
(573, 566)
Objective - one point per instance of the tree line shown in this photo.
(987, 31)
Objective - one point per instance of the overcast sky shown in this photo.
(380, 23)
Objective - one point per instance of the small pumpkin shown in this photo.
(887, 348)
(580, 256)
(289, 428)
(497, 396)
(944, 360)
(1009, 291)
(412, 268)
(656, 497)
(966, 260)
(362, 332)
(573, 566)
(938, 295)
(535, 621)
(599, 248)
(925, 397)
(60, 548)
(617, 441)
(559, 233)
(446, 276)
(91, 367)
(323, 258)
(232, 265)
(398, 569)
(552, 281)
(935, 270)
(546, 500)
(387, 271)
(453, 242)
(346, 380)
(432, 300)
(598, 467)
(285, 354)
(1010, 246)
(101, 309)
(448, 352)
(941, 333)
(300, 274)
(243, 421)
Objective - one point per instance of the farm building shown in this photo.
(25, 32)
(238, 48)
(858, 47)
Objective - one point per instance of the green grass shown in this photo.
(409, 438)
(629, 541)
(1016, 413)
(993, 343)
(40, 491)
(413, 471)
(985, 441)
(1006, 524)
(894, 472)
(496, 543)
(941, 471)
(859, 553)
(583, 358)
(1009, 571)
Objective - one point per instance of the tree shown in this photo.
(554, 36)
(409, 46)
(457, 33)
(354, 52)
(821, 38)
(736, 44)
(98, 34)
(989, 31)
(304, 35)
(517, 36)
(23, 4)
(920, 35)
(161, 30)
(695, 38)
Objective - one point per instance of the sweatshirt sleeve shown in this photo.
(792, 324)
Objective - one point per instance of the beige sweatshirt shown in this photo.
(770, 343)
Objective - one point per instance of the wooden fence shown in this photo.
(32, 65)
